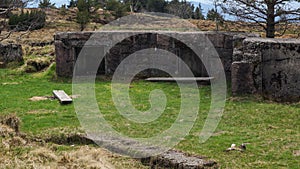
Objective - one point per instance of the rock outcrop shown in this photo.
(10, 53)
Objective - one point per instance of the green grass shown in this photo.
(271, 130)
(36, 116)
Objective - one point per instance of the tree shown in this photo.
(46, 4)
(266, 13)
(135, 5)
(87, 10)
(97, 3)
(11, 3)
(82, 18)
(213, 15)
(72, 4)
(63, 9)
(156, 5)
(118, 9)
(198, 13)
(83, 13)
(183, 9)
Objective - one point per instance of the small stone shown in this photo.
(296, 153)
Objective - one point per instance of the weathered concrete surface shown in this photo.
(242, 79)
(68, 46)
(153, 156)
(274, 68)
(65, 50)
(10, 53)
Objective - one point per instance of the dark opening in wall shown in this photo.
(141, 42)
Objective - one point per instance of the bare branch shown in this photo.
(8, 7)
(290, 12)
(288, 19)
(264, 12)
(6, 36)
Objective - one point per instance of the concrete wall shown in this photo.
(68, 45)
(267, 66)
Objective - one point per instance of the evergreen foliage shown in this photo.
(83, 14)
(46, 4)
(27, 21)
(213, 15)
(72, 4)
(118, 9)
(198, 13)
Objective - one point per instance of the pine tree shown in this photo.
(198, 13)
(46, 4)
(118, 9)
(72, 4)
(156, 5)
(83, 15)
(213, 15)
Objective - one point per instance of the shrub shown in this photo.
(63, 10)
(27, 21)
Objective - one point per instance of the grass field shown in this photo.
(271, 131)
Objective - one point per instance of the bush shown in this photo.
(27, 21)
(63, 10)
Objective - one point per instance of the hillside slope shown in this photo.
(60, 21)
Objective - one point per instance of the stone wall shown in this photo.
(10, 53)
(68, 46)
(269, 67)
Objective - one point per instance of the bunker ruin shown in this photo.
(252, 65)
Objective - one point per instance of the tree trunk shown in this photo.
(82, 26)
(271, 21)
(131, 8)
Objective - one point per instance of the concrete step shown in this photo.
(179, 79)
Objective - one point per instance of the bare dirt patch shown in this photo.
(296, 153)
(41, 98)
(11, 83)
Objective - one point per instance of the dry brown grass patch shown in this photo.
(18, 152)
